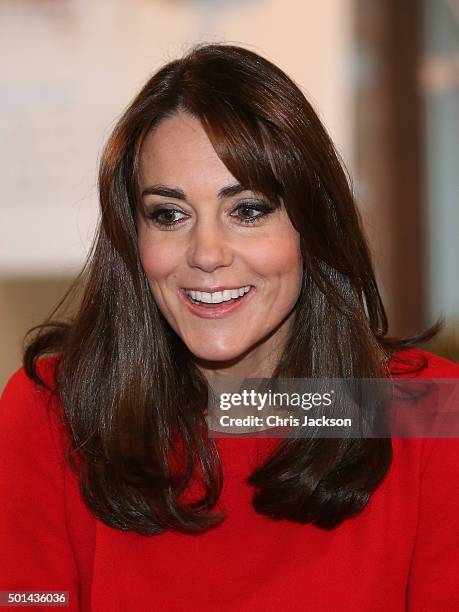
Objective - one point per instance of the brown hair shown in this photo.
(129, 385)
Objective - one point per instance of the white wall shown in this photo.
(70, 67)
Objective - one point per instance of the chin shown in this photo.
(222, 354)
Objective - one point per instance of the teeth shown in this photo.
(218, 296)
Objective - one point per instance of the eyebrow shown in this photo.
(178, 194)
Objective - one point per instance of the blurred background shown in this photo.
(383, 76)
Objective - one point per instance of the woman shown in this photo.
(229, 246)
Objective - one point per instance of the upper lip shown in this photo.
(214, 289)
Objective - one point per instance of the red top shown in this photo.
(400, 553)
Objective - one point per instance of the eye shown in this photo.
(247, 209)
(164, 217)
(248, 213)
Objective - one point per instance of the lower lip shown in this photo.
(216, 311)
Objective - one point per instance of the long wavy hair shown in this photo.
(131, 391)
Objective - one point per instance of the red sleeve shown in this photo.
(35, 549)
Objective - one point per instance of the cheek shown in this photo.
(279, 256)
(156, 260)
(283, 263)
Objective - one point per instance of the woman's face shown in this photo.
(195, 234)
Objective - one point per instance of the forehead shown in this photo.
(178, 150)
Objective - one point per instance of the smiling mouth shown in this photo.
(217, 298)
(216, 309)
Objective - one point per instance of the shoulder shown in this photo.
(20, 382)
(28, 411)
(437, 457)
(416, 362)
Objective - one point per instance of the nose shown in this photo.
(209, 248)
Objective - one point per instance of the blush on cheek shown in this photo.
(280, 254)
(155, 264)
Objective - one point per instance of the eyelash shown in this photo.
(263, 208)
